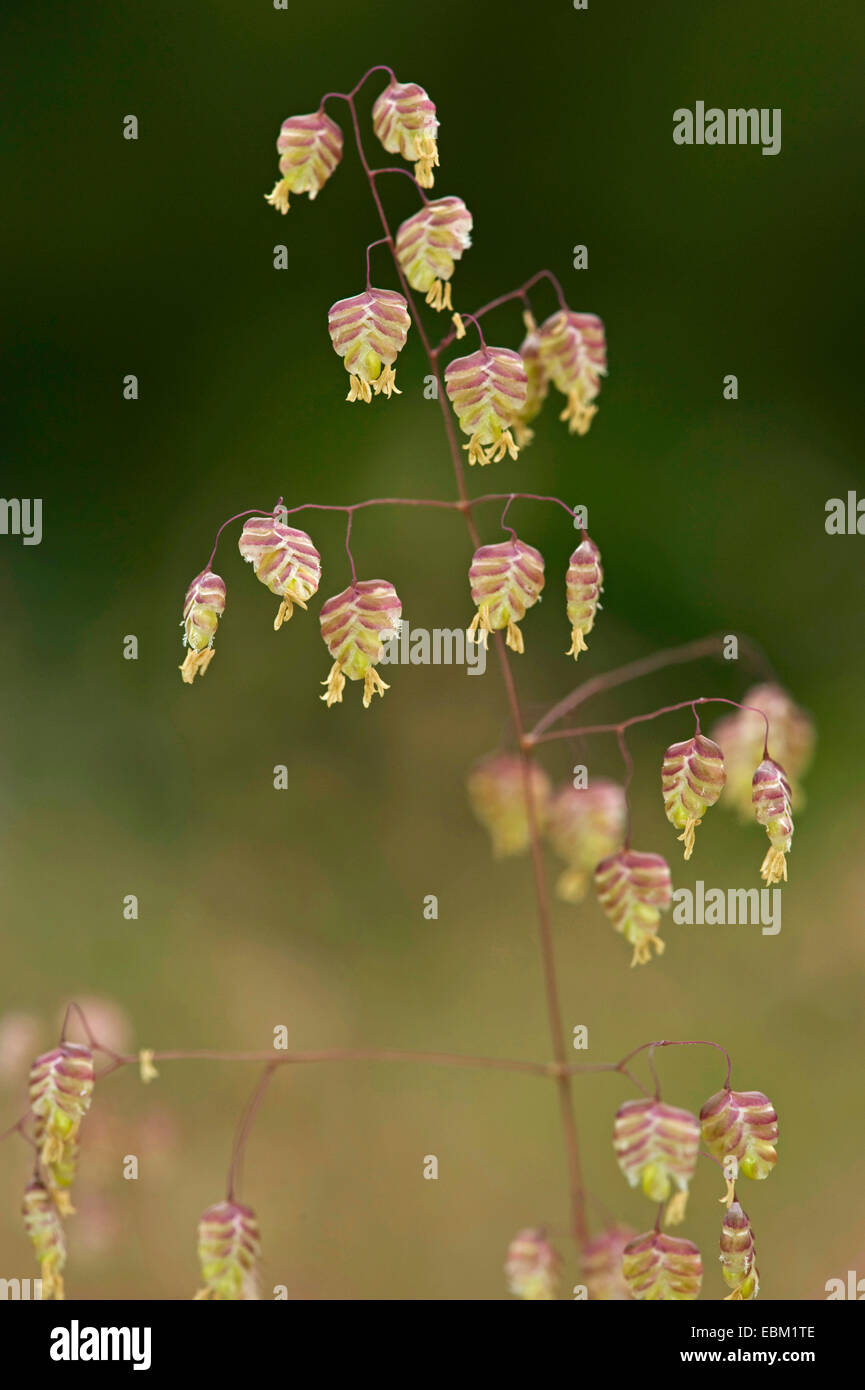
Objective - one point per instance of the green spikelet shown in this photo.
(61, 1088)
(43, 1226)
(657, 1266)
(744, 1125)
(692, 779)
(737, 1255)
(228, 1251)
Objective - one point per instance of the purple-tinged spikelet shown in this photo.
(656, 1147)
(368, 331)
(404, 120)
(585, 825)
(692, 779)
(633, 890)
(203, 606)
(284, 559)
(574, 353)
(532, 1266)
(429, 242)
(773, 809)
(537, 383)
(355, 626)
(497, 792)
(741, 735)
(61, 1088)
(310, 147)
(487, 390)
(737, 1255)
(602, 1265)
(743, 1124)
(657, 1266)
(505, 580)
(43, 1225)
(228, 1252)
(583, 587)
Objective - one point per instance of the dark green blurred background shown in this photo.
(304, 907)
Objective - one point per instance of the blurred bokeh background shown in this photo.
(305, 907)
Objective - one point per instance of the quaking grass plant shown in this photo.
(494, 393)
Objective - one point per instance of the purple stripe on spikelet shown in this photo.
(354, 620)
(400, 114)
(508, 578)
(583, 585)
(376, 321)
(430, 241)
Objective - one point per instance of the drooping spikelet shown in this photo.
(203, 606)
(45, 1229)
(505, 580)
(692, 779)
(585, 825)
(657, 1266)
(487, 390)
(744, 1125)
(429, 242)
(737, 1255)
(355, 626)
(741, 735)
(310, 147)
(368, 331)
(583, 587)
(633, 890)
(532, 1266)
(284, 559)
(537, 383)
(656, 1147)
(61, 1088)
(573, 351)
(228, 1252)
(773, 809)
(602, 1265)
(404, 119)
(497, 792)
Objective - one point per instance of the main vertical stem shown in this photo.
(563, 1080)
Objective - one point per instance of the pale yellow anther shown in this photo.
(477, 452)
(459, 326)
(643, 949)
(688, 834)
(480, 626)
(196, 663)
(360, 390)
(386, 383)
(146, 1069)
(438, 296)
(514, 638)
(428, 158)
(279, 197)
(774, 867)
(504, 445)
(674, 1214)
(335, 686)
(286, 610)
(578, 643)
(52, 1150)
(372, 685)
(578, 415)
(729, 1196)
(62, 1201)
(52, 1285)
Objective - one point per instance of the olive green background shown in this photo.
(304, 907)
